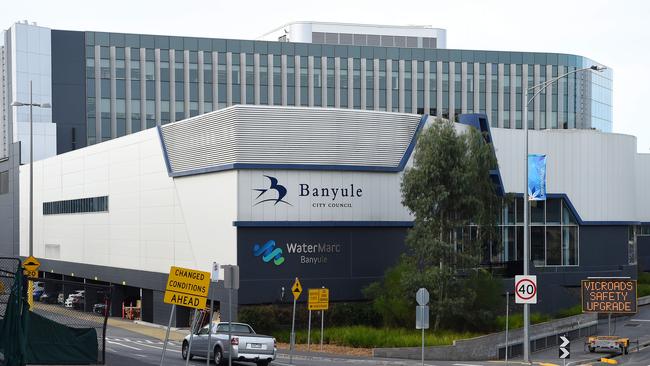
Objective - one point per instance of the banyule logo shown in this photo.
(269, 252)
(278, 188)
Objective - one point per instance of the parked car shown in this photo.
(100, 308)
(60, 299)
(50, 297)
(70, 301)
(246, 344)
(38, 291)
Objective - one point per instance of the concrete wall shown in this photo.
(153, 221)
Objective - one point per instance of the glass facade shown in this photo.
(135, 82)
(554, 234)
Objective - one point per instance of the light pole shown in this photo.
(536, 90)
(31, 105)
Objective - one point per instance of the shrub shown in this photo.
(643, 289)
(371, 337)
(644, 278)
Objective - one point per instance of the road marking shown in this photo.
(124, 345)
(465, 364)
(160, 348)
(640, 320)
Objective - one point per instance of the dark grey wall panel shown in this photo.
(360, 257)
(643, 252)
(603, 246)
(68, 90)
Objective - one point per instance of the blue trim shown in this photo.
(575, 213)
(329, 167)
(164, 150)
(322, 223)
(480, 122)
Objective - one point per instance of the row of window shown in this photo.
(121, 40)
(80, 205)
(173, 89)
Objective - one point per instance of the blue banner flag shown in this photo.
(536, 177)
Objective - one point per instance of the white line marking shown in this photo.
(124, 345)
(160, 348)
(465, 364)
(640, 320)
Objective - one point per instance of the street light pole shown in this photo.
(536, 90)
(31, 105)
(31, 173)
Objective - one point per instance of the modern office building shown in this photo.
(321, 200)
(106, 85)
(27, 56)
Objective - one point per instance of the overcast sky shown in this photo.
(614, 33)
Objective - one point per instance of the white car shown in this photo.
(69, 302)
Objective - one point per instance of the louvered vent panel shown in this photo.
(287, 135)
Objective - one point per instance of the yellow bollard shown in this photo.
(30, 294)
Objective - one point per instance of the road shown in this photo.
(124, 347)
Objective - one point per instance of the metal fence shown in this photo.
(76, 305)
(8, 268)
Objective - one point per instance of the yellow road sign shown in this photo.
(180, 299)
(187, 287)
(296, 289)
(188, 281)
(29, 273)
(31, 264)
(319, 299)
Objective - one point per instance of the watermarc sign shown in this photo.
(609, 295)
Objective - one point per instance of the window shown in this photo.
(81, 205)
(553, 233)
(4, 182)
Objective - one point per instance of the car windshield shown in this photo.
(236, 328)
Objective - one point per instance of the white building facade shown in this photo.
(315, 193)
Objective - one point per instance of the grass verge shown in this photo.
(369, 337)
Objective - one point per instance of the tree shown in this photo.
(449, 191)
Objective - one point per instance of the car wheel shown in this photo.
(218, 356)
(592, 350)
(184, 350)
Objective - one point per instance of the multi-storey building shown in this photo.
(107, 85)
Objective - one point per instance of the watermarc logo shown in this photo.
(269, 252)
(278, 188)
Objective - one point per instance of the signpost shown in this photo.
(230, 281)
(296, 290)
(318, 299)
(185, 287)
(526, 289)
(565, 349)
(30, 267)
(214, 278)
(422, 314)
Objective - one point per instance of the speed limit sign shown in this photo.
(526, 289)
